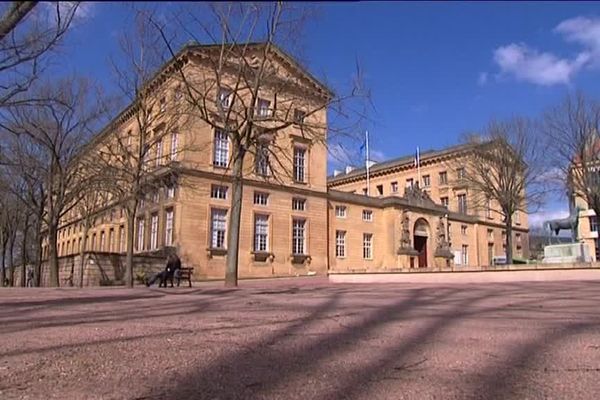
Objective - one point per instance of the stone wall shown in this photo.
(101, 269)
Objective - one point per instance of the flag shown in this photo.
(417, 159)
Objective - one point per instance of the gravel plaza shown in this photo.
(303, 339)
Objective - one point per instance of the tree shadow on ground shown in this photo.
(262, 368)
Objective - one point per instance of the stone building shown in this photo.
(295, 220)
(432, 219)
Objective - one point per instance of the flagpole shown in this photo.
(418, 168)
(367, 162)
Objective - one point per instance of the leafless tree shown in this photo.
(46, 137)
(503, 171)
(138, 151)
(28, 32)
(572, 129)
(238, 47)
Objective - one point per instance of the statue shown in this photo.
(569, 223)
(443, 245)
(405, 235)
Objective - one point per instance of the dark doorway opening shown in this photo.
(421, 247)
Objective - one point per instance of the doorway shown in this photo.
(421, 247)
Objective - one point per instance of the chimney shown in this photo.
(349, 169)
(336, 172)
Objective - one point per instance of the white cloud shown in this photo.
(582, 30)
(537, 219)
(546, 68)
(529, 65)
(48, 11)
(338, 156)
(482, 79)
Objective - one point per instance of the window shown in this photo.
(262, 108)
(593, 224)
(462, 203)
(368, 246)
(225, 98)
(365, 191)
(299, 164)
(299, 116)
(464, 255)
(340, 244)
(380, 190)
(102, 242)
(218, 192)
(140, 235)
(154, 232)
(262, 160)
(261, 233)
(169, 227)
(463, 229)
(490, 235)
(121, 238)
(221, 149)
(444, 201)
(460, 173)
(394, 187)
(163, 104)
(340, 211)
(218, 228)
(298, 204)
(367, 215)
(174, 144)
(410, 182)
(426, 181)
(298, 235)
(443, 178)
(178, 94)
(171, 191)
(111, 240)
(518, 239)
(155, 196)
(261, 198)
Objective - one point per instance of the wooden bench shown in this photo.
(185, 274)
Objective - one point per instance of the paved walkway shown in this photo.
(303, 339)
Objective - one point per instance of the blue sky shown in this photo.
(436, 70)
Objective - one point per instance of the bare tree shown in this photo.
(48, 135)
(572, 129)
(26, 40)
(137, 152)
(502, 169)
(238, 84)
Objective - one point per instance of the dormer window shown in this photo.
(262, 108)
(225, 98)
(299, 116)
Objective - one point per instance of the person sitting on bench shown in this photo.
(173, 268)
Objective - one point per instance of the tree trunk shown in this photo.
(24, 257)
(82, 253)
(129, 257)
(11, 259)
(53, 257)
(509, 248)
(37, 270)
(233, 233)
(596, 241)
(11, 18)
(4, 244)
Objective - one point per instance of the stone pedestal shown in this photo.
(443, 258)
(566, 253)
(407, 257)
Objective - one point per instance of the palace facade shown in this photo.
(295, 220)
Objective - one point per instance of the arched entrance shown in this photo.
(421, 236)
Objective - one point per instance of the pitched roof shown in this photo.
(397, 162)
